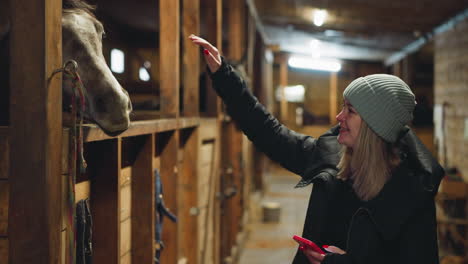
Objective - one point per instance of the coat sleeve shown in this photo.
(281, 144)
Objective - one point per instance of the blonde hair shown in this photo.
(369, 164)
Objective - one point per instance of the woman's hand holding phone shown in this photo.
(314, 253)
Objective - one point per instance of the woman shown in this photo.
(374, 181)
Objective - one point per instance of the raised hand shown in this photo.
(212, 56)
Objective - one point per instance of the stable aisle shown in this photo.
(271, 243)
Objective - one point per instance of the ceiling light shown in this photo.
(314, 64)
(315, 43)
(315, 48)
(320, 15)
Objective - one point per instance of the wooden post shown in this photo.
(191, 57)
(283, 83)
(36, 114)
(232, 139)
(187, 190)
(104, 170)
(212, 11)
(169, 40)
(167, 146)
(4, 192)
(333, 97)
(143, 204)
(236, 32)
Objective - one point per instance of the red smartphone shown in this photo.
(307, 243)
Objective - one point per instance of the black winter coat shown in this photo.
(397, 226)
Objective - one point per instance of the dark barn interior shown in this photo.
(84, 151)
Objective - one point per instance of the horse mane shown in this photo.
(78, 5)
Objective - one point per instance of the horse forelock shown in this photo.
(75, 6)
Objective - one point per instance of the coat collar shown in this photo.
(324, 159)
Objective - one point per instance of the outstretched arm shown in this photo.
(281, 144)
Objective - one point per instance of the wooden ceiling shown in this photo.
(369, 30)
(370, 26)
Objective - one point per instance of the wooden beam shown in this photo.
(4, 195)
(236, 30)
(167, 146)
(36, 114)
(143, 204)
(4, 154)
(258, 22)
(169, 42)
(104, 165)
(188, 195)
(4, 250)
(333, 97)
(191, 58)
(283, 83)
(212, 13)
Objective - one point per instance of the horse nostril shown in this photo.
(129, 106)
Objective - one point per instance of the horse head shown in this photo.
(107, 103)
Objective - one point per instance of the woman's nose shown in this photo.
(340, 116)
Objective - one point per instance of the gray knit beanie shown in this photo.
(384, 102)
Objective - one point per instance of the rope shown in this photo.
(70, 69)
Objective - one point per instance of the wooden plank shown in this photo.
(63, 242)
(36, 114)
(4, 153)
(125, 201)
(232, 173)
(205, 186)
(126, 236)
(126, 176)
(169, 179)
(143, 203)
(212, 13)
(191, 58)
(208, 128)
(232, 139)
(94, 133)
(104, 172)
(283, 83)
(4, 191)
(236, 30)
(333, 97)
(187, 196)
(82, 190)
(188, 122)
(126, 259)
(169, 41)
(4, 246)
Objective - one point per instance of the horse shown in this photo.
(107, 103)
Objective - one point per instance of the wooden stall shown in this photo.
(179, 129)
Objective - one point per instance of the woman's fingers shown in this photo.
(212, 61)
(205, 44)
(212, 56)
(333, 249)
(314, 257)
